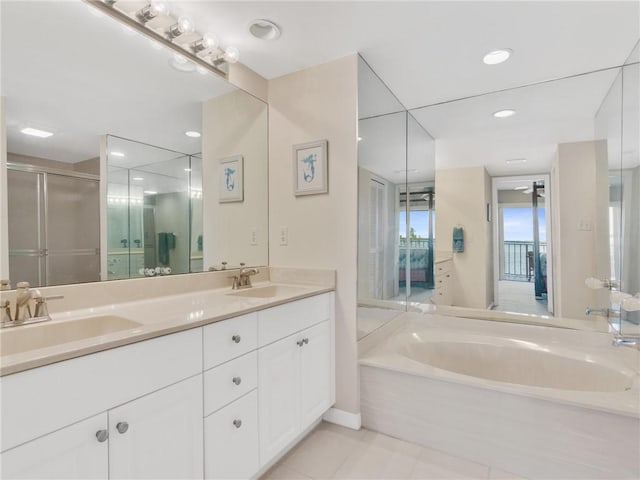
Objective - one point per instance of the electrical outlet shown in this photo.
(254, 236)
(284, 236)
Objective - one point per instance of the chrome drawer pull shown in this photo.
(122, 427)
(237, 423)
(236, 338)
(102, 435)
(237, 380)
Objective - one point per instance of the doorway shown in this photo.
(522, 247)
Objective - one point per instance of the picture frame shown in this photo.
(310, 168)
(231, 179)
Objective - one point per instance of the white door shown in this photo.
(79, 451)
(231, 440)
(159, 435)
(315, 373)
(278, 366)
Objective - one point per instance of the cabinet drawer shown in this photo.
(231, 440)
(229, 339)
(443, 267)
(279, 322)
(39, 401)
(229, 381)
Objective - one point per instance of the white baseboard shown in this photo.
(343, 418)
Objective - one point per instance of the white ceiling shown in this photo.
(79, 75)
(431, 51)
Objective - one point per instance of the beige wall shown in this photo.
(235, 124)
(314, 104)
(462, 197)
(580, 195)
(243, 77)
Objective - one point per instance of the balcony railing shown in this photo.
(518, 260)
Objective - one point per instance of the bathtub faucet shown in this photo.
(602, 312)
(626, 341)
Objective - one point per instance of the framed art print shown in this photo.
(310, 168)
(231, 180)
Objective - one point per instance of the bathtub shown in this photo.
(540, 402)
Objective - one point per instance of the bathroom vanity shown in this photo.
(219, 385)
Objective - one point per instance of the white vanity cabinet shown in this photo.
(443, 294)
(76, 452)
(295, 381)
(158, 435)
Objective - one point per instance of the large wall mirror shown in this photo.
(116, 151)
(396, 201)
(537, 190)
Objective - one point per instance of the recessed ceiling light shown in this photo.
(138, 179)
(497, 56)
(36, 133)
(117, 154)
(521, 187)
(187, 169)
(515, 160)
(359, 139)
(181, 63)
(150, 192)
(193, 134)
(504, 113)
(412, 170)
(264, 29)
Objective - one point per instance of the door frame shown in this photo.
(496, 183)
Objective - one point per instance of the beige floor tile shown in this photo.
(380, 457)
(282, 472)
(322, 453)
(433, 464)
(497, 474)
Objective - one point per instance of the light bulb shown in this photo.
(231, 54)
(207, 42)
(182, 26)
(152, 10)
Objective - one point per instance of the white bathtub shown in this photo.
(540, 402)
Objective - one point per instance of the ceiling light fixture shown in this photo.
(521, 187)
(34, 132)
(138, 179)
(528, 191)
(117, 154)
(150, 192)
(187, 169)
(203, 50)
(504, 113)
(511, 161)
(359, 139)
(497, 56)
(193, 134)
(264, 29)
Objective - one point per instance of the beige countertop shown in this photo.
(156, 316)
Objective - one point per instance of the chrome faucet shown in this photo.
(243, 279)
(626, 341)
(23, 314)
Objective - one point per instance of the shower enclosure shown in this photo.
(54, 218)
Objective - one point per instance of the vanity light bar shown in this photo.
(204, 53)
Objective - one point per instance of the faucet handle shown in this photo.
(6, 312)
(5, 284)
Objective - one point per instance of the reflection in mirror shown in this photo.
(395, 206)
(151, 195)
(114, 82)
(515, 256)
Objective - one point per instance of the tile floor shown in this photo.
(334, 452)
(519, 297)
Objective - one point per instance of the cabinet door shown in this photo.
(231, 440)
(159, 435)
(278, 396)
(73, 452)
(315, 373)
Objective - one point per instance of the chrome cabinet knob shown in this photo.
(122, 427)
(236, 338)
(305, 341)
(102, 435)
(300, 343)
(237, 423)
(237, 380)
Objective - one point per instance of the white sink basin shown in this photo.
(268, 292)
(40, 335)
